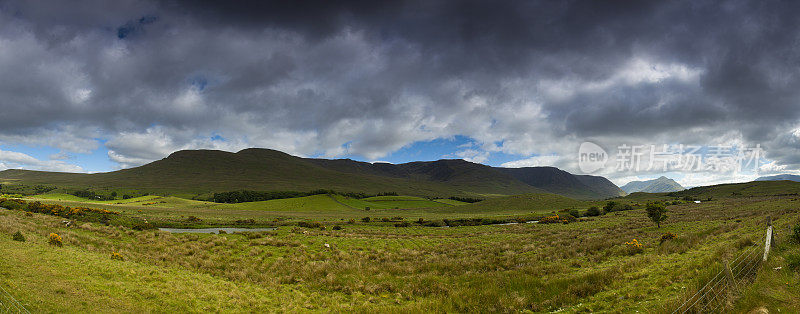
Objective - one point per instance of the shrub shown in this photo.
(402, 224)
(337, 227)
(575, 213)
(656, 212)
(433, 224)
(116, 256)
(667, 236)
(385, 219)
(365, 219)
(466, 199)
(351, 221)
(55, 239)
(140, 226)
(593, 211)
(610, 206)
(306, 224)
(13, 204)
(18, 237)
(633, 247)
(421, 221)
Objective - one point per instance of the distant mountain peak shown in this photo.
(661, 184)
(780, 177)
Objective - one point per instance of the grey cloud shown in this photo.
(367, 78)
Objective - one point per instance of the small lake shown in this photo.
(214, 230)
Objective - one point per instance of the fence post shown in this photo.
(768, 242)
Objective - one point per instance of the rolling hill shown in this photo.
(662, 184)
(203, 171)
(747, 189)
(788, 177)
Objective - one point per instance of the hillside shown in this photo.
(560, 182)
(660, 185)
(788, 177)
(538, 203)
(203, 171)
(747, 189)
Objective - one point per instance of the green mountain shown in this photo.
(662, 184)
(560, 182)
(203, 171)
(788, 177)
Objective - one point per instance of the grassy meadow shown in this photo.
(346, 264)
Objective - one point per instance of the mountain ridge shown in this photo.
(780, 177)
(203, 171)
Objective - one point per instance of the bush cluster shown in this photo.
(51, 209)
(565, 219)
(94, 196)
(465, 199)
(593, 211)
(666, 237)
(312, 225)
(612, 206)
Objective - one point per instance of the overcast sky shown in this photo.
(100, 85)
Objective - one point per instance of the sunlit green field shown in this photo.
(169, 210)
(367, 267)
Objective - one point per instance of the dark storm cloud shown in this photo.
(367, 78)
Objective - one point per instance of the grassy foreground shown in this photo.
(367, 267)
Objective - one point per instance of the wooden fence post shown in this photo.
(768, 242)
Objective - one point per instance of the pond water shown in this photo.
(215, 230)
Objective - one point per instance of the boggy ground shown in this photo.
(365, 267)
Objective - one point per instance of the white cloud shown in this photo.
(473, 155)
(13, 160)
(535, 161)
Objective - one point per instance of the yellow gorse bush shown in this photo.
(55, 239)
(116, 256)
(557, 219)
(633, 247)
(667, 236)
(634, 244)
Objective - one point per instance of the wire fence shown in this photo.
(732, 278)
(8, 304)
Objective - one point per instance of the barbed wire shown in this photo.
(8, 304)
(710, 296)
